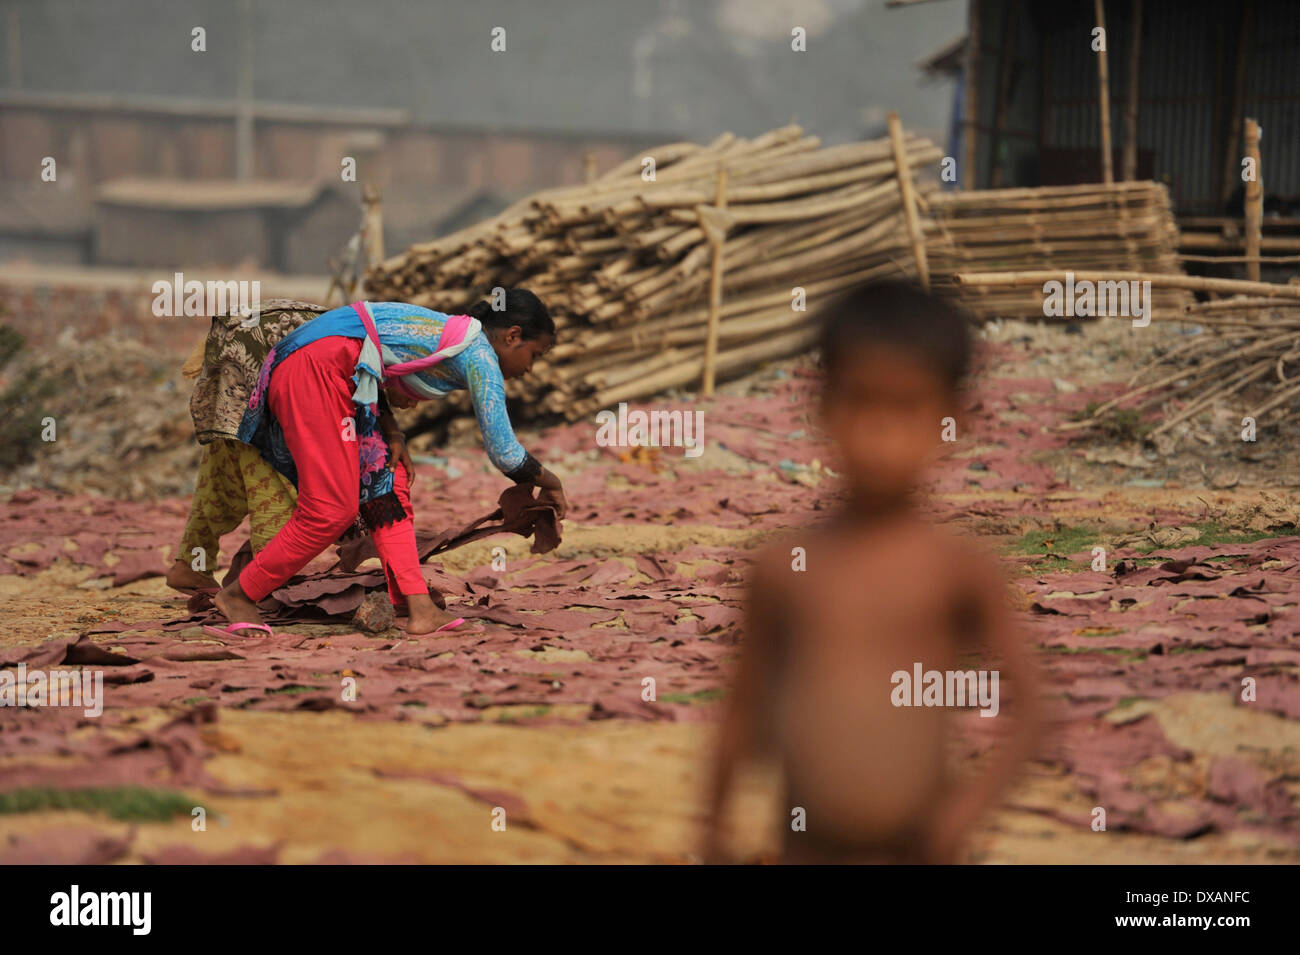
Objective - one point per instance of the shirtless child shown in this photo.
(818, 684)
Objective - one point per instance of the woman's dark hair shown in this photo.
(900, 314)
(522, 308)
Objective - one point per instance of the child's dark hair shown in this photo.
(522, 308)
(902, 315)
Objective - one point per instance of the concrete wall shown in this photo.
(55, 250)
(136, 237)
(93, 146)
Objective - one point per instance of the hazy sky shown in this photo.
(692, 67)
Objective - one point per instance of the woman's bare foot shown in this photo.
(425, 615)
(181, 576)
(235, 605)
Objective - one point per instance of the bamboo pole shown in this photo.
(371, 200)
(1268, 243)
(1103, 86)
(904, 175)
(717, 238)
(1254, 202)
(1234, 305)
(1131, 100)
(1194, 283)
(969, 174)
(765, 349)
(1228, 259)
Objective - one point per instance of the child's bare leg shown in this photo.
(425, 615)
(181, 576)
(235, 605)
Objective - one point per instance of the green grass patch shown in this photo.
(1116, 651)
(510, 714)
(295, 688)
(129, 803)
(1212, 533)
(1056, 543)
(1055, 546)
(699, 696)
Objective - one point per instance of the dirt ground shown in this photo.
(527, 739)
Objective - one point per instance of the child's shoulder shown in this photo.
(968, 565)
(950, 545)
(783, 552)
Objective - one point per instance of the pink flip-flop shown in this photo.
(451, 626)
(234, 629)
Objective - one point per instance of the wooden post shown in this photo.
(14, 33)
(904, 173)
(1254, 202)
(372, 228)
(1232, 155)
(717, 234)
(589, 166)
(968, 173)
(371, 250)
(1103, 84)
(1131, 100)
(244, 93)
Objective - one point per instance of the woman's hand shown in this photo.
(398, 454)
(399, 399)
(552, 492)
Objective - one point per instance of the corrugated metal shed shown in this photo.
(1187, 79)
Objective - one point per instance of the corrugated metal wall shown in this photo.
(1273, 93)
(1186, 77)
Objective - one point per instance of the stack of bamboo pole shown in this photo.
(624, 261)
(1126, 226)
